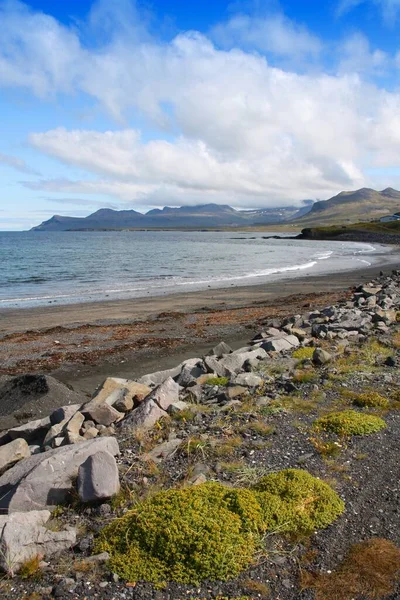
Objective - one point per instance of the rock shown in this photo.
(12, 453)
(189, 374)
(160, 376)
(387, 316)
(115, 391)
(163, 451)
(281, 344)
(235, 391)
(370, 291)
(44, 480)
(214, 366)
(145, 415)
(248, 380)
(177, 407)
(98, 558)
(91, 433)
(103, 414)
(301, 334)
(23, 536)
(220, 349)
(389, 362)
(233, 363)
(64, 414)
(124, 404)
(321, 357)
(31, 431)
(98, 477)
(74, 425)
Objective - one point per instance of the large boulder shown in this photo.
(24, 536)
(31, 431)
(12, 453)
(45, 480)
(98, 477)
(280, 344)
(118, 392)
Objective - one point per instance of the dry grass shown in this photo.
(369, 571)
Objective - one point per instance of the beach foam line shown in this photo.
(264, 273)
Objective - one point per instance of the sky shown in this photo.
(146, 103)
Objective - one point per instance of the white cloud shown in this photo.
(273, 33)
(356, 56)
(16, 163)
(389, 8)
(231, 127)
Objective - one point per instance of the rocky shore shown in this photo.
(312, 395)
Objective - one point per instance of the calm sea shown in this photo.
(39, 268)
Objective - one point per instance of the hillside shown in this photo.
(201, 216)
(349, 207)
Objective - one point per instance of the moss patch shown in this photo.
(221, 381)
(371, 400)
(350, 422)
(305, 353)
(211, 531)
(294, 501)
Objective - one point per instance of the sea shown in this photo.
(45, 268)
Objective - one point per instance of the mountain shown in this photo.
(350, 207)
(201, 216)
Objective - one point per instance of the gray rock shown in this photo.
(98, 477)
(386, 316)
(115, 390)
(103, 414)
(189, 375)
(45, 480)
(321, 357)
(177, 407)
(160, 376)
(220, 349)
(163, 451)
(64, 414)
(289, 342)
(214, 366)
(144, 416)
(74, 425)
(30, 431)
(124, 404)
(24, 536)
(248, 380)
(12, 453)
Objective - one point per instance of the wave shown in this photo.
(272, 271)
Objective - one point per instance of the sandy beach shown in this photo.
(82, 344)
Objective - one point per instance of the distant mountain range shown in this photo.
(203, 216)
(347, 207)
(365, 204)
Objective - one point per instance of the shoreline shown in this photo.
(20, 319)
(81, 345)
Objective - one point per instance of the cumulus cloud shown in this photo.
(356, 56)
(274, 33)
(231, 127)
(16, 163)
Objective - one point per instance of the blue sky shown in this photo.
(145, 104)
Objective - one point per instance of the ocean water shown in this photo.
(40, 268)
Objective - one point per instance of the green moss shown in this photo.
(211, 531)
(370, 399)
(221, 381)
(296, 502)
(305, 353)
(350, 422)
